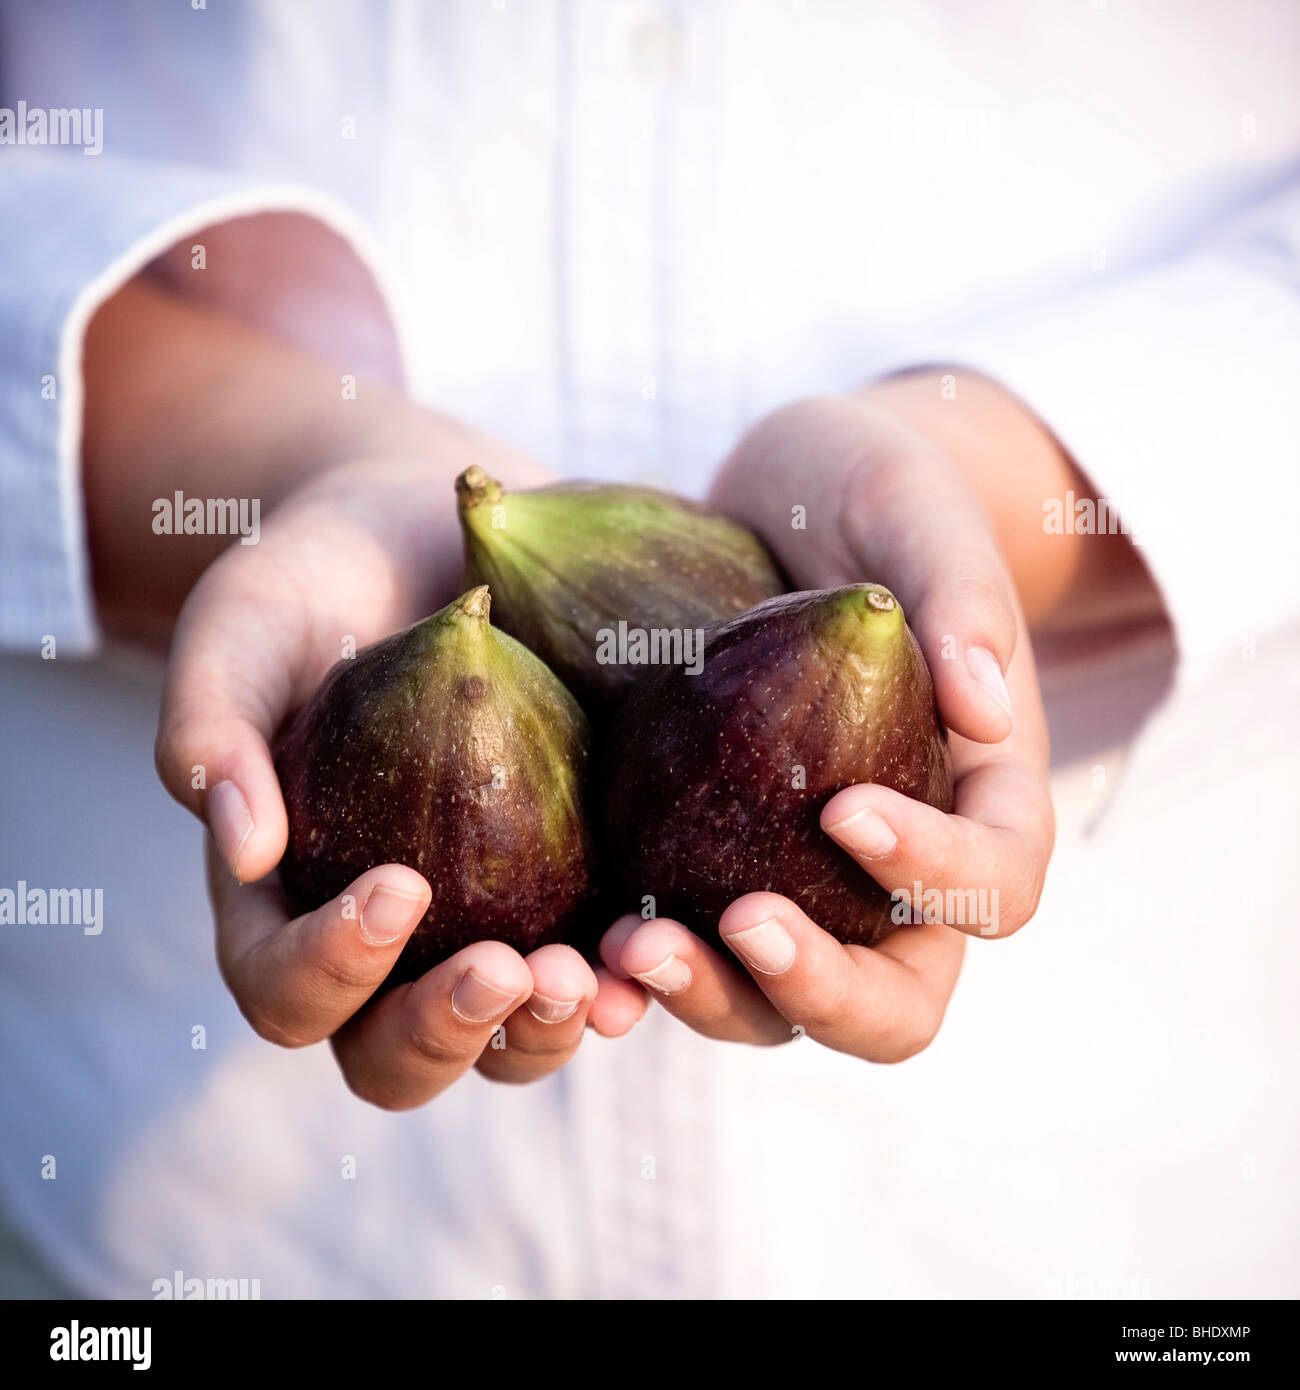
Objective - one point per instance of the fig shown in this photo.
(452, 749)
(602, 579)
(716, 781)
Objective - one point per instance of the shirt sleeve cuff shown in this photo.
(1175, 393)
(289, 260)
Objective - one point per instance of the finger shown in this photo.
(544, 1034)
(981, 869)
(619, 1006)
(611, 944)
(227, 688)
(882, 1004)
(416, 1040)
(913, 520)
(297, 981)
(696, 985)
(901, 516)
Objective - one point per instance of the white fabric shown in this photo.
(72, 237)
(617, 232)
(1176, 388)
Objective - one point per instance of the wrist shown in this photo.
(980, 425)
(1016, 466)
(1009, 460)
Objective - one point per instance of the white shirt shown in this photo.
(614, 234)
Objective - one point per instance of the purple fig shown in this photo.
(716, 781)
(569, 564)
(452, 749)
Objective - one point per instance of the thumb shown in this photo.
(877, 502)
(223, 698)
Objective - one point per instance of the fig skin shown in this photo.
(701, 801)
(571, 560)
(452, 749)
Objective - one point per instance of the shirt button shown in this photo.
(655, 49)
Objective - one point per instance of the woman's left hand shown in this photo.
(880, 502)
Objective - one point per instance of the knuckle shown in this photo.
(175, 751)
(527, 1054)
(1032, 898)
(825, 1012)
(432, 1049)
(990, 597)
(1026, 894)
(272, 1029)
(902, 1049)
(714, 1017)
(716, 1022)
(976, 602)
(911, 1029)
(367, 1087)
(504, 1071)
(542, 1049)
(912, 1039)
(334, 971)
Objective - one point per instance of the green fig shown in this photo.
(452, 749)
(716, 781)
(576, 567)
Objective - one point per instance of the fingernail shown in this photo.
(387, 915)
(983, 665)
(230, 821)
(865, 833)
(546, 1010)
(768, 947)
(670, 976)
(476, 1001)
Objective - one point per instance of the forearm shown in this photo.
(180, 397)
(1015, 465)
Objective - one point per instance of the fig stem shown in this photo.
(477, 603)
(474, 488)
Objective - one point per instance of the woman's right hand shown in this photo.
(357, 552)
